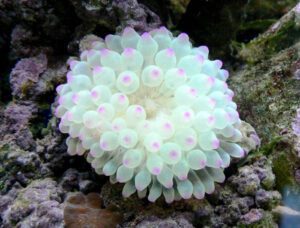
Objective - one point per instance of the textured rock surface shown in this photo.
(37, 205)
(26, 75)
(85, 211)
(272, 102)
(36, 174)
(281, 35)
(15, 123)
(173, 222)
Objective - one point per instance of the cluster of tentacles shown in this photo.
(152, 112)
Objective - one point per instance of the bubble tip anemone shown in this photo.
(151, 111)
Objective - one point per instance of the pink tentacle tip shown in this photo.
(84, 54)
(225, 74)
(156, 170)
(187, 115)
(97, 69)
(219, 163)
(104, 52)
(216, 144)
(200, 195)
(210, 192)
(202, 163)
(128, 31)
(60, 100)
(169, 185)
(170, 52)
(146, 126)
(146, 36)
(139, 110)
(120, 181)
(230, 93)
(69, 116)
(94, 94)
(108, 38)
(225, 86)
(156, 145)
(59, 88)
(93, 153)
(70, 77)
(56, 111)
(193, 92)
(229, 117)
(101, 109)
(126, 79)
(219, 63)
(94, 43)
(73, 64)
(200, 58)
(127, 139)
(163, 29)
(155, 73)
(167, 126)
(211, 120)
(126, 162)
(75, 98)
(174, 154)
(128, 52)
(228, 98)
(186, 196)
(103, 145)
(184, 177)
(204, 49)
(139, 188)
(181, 72)
(190, 140)
(211, 81)
(121, 98)
(243, 153)
(69, 74)
(183, 37)
(69, 61)
(212, 102)
(297, 8)
(90, 52)
(115, 127)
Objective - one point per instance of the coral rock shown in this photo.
(85, 211)
(267, 199)
(172, 222)
(26, 74)
(253, 216)
(37, 205)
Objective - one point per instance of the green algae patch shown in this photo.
(280, 36)
(13, 161)
(283, 167)
(284, 162)
(264, 150)
(38, 124)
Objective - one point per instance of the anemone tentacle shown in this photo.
(153, 112)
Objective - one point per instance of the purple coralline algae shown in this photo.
(296, 124)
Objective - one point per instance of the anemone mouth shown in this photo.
(154, 101)
(152, 112)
